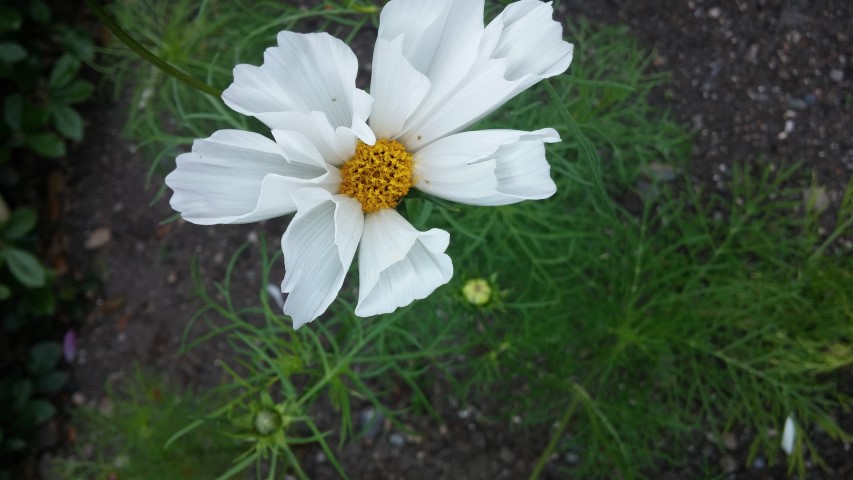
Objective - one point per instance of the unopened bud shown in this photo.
(477, 291)
(267, 422)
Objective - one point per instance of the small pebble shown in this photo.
(572, 458)
(370, 422)
(836, 75)
(759, 463)
(506, 455)
(730, 441)
(479, 441)
(728, 464)
(396, 439)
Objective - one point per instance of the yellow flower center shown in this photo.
(378, 176)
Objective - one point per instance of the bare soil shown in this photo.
(760, 82)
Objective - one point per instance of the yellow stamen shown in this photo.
(378, 176)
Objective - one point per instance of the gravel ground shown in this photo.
(759, 82)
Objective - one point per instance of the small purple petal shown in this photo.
(69, 345)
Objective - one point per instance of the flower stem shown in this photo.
(148, 55)
(552, 444)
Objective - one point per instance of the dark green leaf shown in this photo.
(10, 19)
(13, 322)
(41, 410)
(39, 11)
(22, 390)
(12, 108)
(33, 117)
(19, 224)
(63, 71)
(25, 267)
(68, 122)
(5, 292)
(15, 444)
(44, 356)
(51, 383)
(39, 301)
(77, 91)
(77, 42)
(11, 52)
(46, 144)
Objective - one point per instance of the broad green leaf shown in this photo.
(11, 52)
(46, 144)
(41, 410)
(51, 382)
(68, 122)
(63, 71)
(12, 108)
(10, 19)
(19, 224)
(44, 356)
(25, 267)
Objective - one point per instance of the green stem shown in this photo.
(148, 55)
(552, 444)
(842, 229)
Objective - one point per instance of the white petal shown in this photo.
(520, 47)
(789, 433)
(240, 177)
(532, 43)
(440, 41)
(402, 88)
(398, 264)
(318, 246)
(488, 167)
(312, 72)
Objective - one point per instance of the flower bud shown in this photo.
(477, 291)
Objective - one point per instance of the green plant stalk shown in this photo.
(555, 438)
(148, 55)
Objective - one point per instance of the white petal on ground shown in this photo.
(520, 47)
(488, 167)
(440, 41)
(312, 72)
(398, 264)
(240, 177)
(319, 246)
(789, 434)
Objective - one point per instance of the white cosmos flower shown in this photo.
(342, 158)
